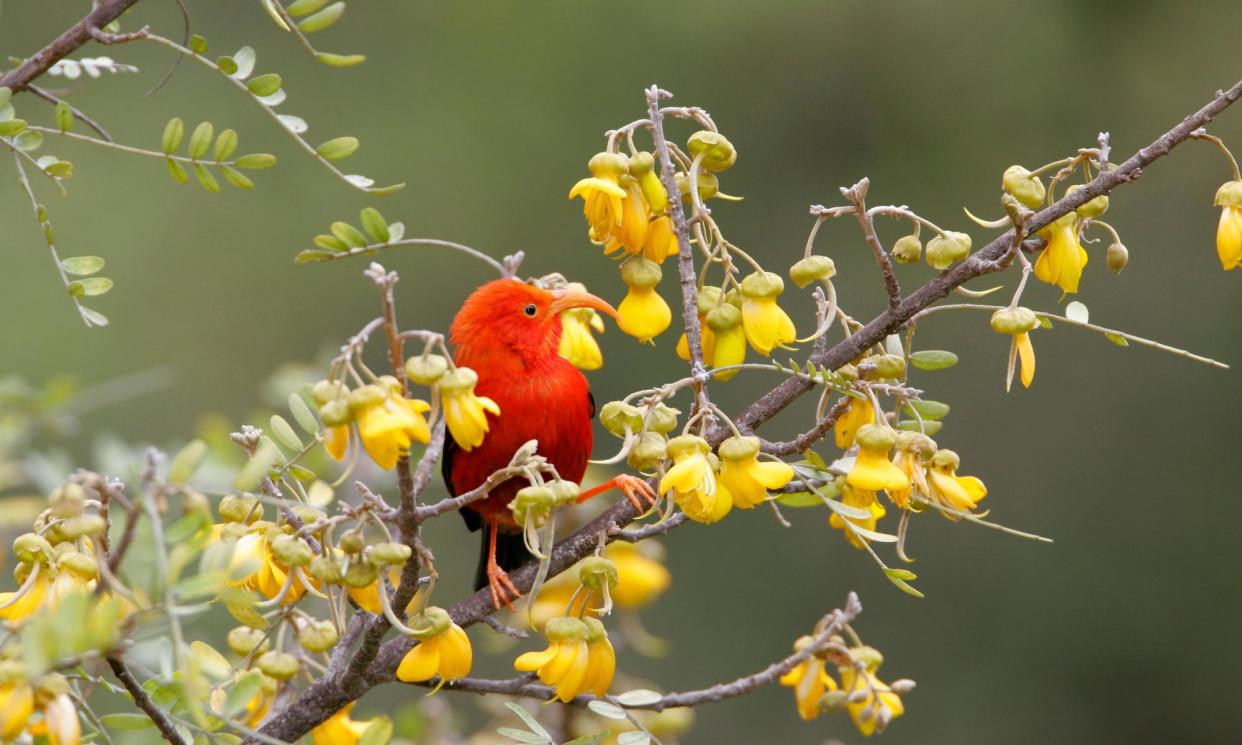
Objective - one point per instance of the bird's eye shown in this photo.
(530, 310)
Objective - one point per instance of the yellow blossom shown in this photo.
(642, 314)
(1063, 258)
(336, 441)
(721, 334)
(631, 233)
(746, 478)
(464, 412)
(914, 450)
(578, 344)
(17, 608)
(601, 659)
(443, 649)
(1229, 231)
(766, 325)
(872, 470)
(961, 493)
(339, 729)
(661, 241)
(264, 573)
(1018, 322)
(60, 723)
(565, 661)
(860, 499)
(878, 705)
(640, 578)
(389, 425)
(367, 596)
(602, 195)
(694, 484)
(16, 707)
(810, 682)
(857, 413)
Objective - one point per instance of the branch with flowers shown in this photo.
(333, 595)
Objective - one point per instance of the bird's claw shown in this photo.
(638, 491)
(503, 590)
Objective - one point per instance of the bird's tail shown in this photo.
(511, 553)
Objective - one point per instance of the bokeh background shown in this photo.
(1123, 631)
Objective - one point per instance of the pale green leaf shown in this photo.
(323, 19)
(264, 85)
(933, 359)
(177, 170)
(240, 695)
(606, 709)
(302, 414)
(304, 7)
(187, 461)
(1077, 312)
(256, 161)
(90, 287)
(236, 177)
(92, 317)
(374, 226)
(284, 434)
(126, 721)
(206, 178)
(378, 732)
(200, 139)
(226, 144)
(82, 265)
(338, 148)
(340, 60)
(639, 697)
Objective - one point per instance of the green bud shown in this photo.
(723, 318)
(426, 369)
(916, 442)
(1026, 187)
(237, 508)
(709, 186)
(717, 152)
(432, 621)
(565, 629)
(291, 551)
(762, 284)
(319, 636)
(390, 554)
(328, 390)
(812, 269)
(946, 460)
(67, 500)
(1014, 320)
(80, 564)
(617, 415)
(687, 444)
(595, 629)
(641, 272)
(1229, 195)
(1116, 257)
(82, 525)
(709, 298)
(907, 250)
(595, 571)
(608, 164)
(738, 448)
(641, 164)
(278, 665)
(834, 700)
(326, 570)
(564, 492)
(51, 685)
(365, 397)
(1094, 207)
(12, 671)
(891, 366)
(336, 413)
(243, 639)
(461, 379)
(663, 418)
(648, 452)
(533, 503)
(945, 249)
(351, 542)
(876, 437)
(360, 574)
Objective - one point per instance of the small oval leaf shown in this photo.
(82, 265)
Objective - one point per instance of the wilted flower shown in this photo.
(879, 704)
(857, 413)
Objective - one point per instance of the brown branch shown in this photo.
(104, 12)
(802, 442)
(857, 196)
(143, 701)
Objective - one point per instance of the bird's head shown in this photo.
(507, 319)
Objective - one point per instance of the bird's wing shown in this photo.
(471, 518)
(590, 404)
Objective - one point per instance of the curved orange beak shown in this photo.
(563, 300)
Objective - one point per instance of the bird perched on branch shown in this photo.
(508, 332)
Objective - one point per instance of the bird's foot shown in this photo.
(637, 490)
(503, 590)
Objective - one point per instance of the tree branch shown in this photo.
(144, 702)
(104, 12)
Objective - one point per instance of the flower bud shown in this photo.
(907, 249)
(278, 665)
(565, 629)
(351, 541)
(833, 700)
(870, 657)
(564, 492)
(946, 459)
(243, 639)
(1229, 195)
(641, 164)
(902, 686)
(876, 437)
(67, 500)
(762, 284)
(325, 569)
(390, 554)
(240, 508)
(1026, 187)
(595, 571)
(892, 366)
(461, 379)
(686, 443)
(1092, 208)
(709, 186)
(308, 514)
(426, 369)
(336, 413)
(663, 418)
(723, 318)
(812, 269)
(642, 167)
(51, 685)
(616, 416)
(432, 621)
(947, 248)
(533, 503)
(709, 298)
(13, 671)
(32, 548)
(1116, 257)
(328, 390)
(365, 397)
(80, 564)
(76, 527)
(608, 164)
(917, 443)
(640, 272)
(360, 574)
(291, 551)
(1014, 321)
(319, 636)
(595, 629)
(647, 454)
(739, 448)
(717, 152)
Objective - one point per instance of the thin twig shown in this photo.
(144, 702)
(77, 113)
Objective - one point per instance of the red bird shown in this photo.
(508, 332)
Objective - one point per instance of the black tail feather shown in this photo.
(511, 553)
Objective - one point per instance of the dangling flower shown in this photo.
(694, 484)
(367, 597)
(858, 412)
(643, 314)
(914, 451)
(661, 241)
(336, 441)
(747, 479)
(1018, 322)
(1229, 232)
(16, 708)
(578, 344)
(1063, 259)
(601, 659)
(864, 500)
(387, 421)
(632, 232)
(872, 470)
(766, 325)
(464, 412)
(443, 649)
(810, 682)
(720, 333)
(640, 578)
(18, 608)
(60, 724)
(878, 704)
(961, 493)
(340, 729)
(602, 194)
(564, 663)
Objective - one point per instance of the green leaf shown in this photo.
(226, 144)
(240, 695)
(186, 526)
(905, 574)
(304, 7)
(82, 265)
(264, 85)
(339, 148)
(187, 461)
(312, 255)
(606, 709)
(522, 736)
(340, 60)
(61, 169)
(28, 140)
(302, 414)
(90, 287)
(330, 243)
(284, 433)
(206, 179)
(265, 456)
(177, 170)
(528, 720)
(200, 140)
(1077, 312)
(92, 317)
(273, 10)
(256, 161)
(198, 44)
(10, 127)
(125, 721)
(1117, 339)
(236, 177)
(174, 132)
(1044, 322)
(374, 225)
(903, 586)
(933, 359)
(934, 410)
(348, 234)
(639, 697)
(378, 732)
(799, 499)
(64, 116)
(594, 739)
(227, 64)
(6, 93)
(929, 427)
(323, 18)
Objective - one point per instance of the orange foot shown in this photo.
(637, 490)
(503, 590)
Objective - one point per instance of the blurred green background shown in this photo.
(1123, 631)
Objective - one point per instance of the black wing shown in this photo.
(471, 518)
(590, 404)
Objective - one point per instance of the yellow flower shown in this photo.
(766, 325)
(1063, 259)
(388, 427)
(872, 470)
(443, 649)
(721, 334)
(861, 499)
(60, 723)
(1229, 231)
(878, 706)
(464, 412)
(602, 195)
(640, 579)
(642, 314)
(632, 232)
(914, 450)
(578, 344)
(858, 413)
(336, 441)
(1018, 322)
(565, 661)
(29, 603)
(16, 706)
(694, 484)
(810, 682)
(264, 573)
(601, 659)
(661, 241)
(961, 493)
(339, 729)
(367, 597)
(745, 477)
